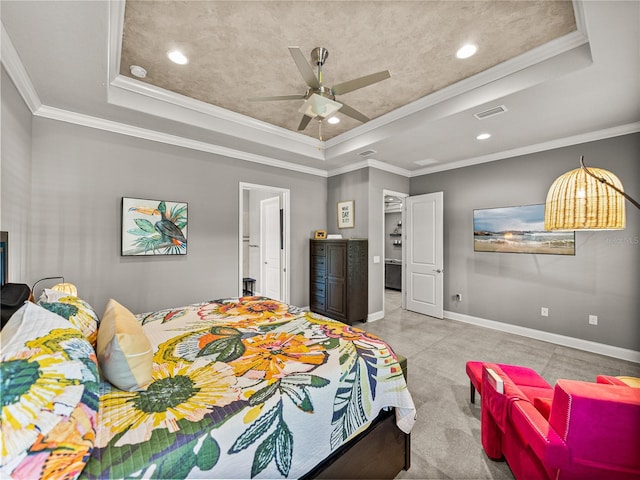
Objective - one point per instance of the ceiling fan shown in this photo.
(320, 101)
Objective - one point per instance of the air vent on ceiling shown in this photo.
(491, 112)
(426, 161)
(366, 153)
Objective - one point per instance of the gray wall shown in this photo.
(601, 279)
(62, 185)
(15, 168)
(79, 177)
(349, 186)
(365, 186)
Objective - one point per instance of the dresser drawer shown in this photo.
(317, 248)
(318, 262)
(317, 303)
(318, 288)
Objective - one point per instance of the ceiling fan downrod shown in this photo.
(319, 56)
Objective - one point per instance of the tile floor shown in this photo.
(445, 442)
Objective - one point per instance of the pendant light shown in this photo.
(586, 199)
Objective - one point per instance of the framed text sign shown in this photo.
(346, 214)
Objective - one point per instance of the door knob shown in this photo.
(438, 270)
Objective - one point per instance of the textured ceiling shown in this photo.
(238, 49)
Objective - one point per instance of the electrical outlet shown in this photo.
(544, 311)
(593, 319)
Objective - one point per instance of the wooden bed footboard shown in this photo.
(380, 452)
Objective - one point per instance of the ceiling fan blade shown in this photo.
(280, 97)
(303, 66)
(353, 113)
(304, 121)
(357, 83)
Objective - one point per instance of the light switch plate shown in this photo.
(376, 259)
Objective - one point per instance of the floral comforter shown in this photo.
(246, 388)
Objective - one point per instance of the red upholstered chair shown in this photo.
(593, 430)
(628, 381)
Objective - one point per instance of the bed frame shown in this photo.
(381, 452)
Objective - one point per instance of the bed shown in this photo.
(239, 388)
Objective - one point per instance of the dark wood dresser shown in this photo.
(339, 285)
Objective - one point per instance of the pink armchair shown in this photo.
(592, 430)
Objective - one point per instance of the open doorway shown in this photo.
(392, 232)
(263, 241)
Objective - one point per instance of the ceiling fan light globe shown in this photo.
(319, 106)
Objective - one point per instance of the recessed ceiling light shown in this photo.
(467, 51)
(138, 71)
(176, 56)
(483, 136)
(333, 120)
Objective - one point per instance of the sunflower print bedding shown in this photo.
(49, 386)
(245, 388)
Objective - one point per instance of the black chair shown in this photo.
(248, 284)
(12, 297)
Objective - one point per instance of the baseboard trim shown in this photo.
(587, 345)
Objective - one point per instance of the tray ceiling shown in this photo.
(238, 49)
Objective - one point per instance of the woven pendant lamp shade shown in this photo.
(578, 201)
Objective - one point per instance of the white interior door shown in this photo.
(424, 254)
(270, 248)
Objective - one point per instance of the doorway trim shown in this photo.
(404, 196)
(285, 280)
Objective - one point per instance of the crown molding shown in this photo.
(516, 152)
(528, 59)
(535, 148)
(198, 106)
(11, 61)
(370, 163)
(127, 92)
(115, 29)
(13, 65)
(137, 95)
(54, 113)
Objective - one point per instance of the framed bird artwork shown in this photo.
(153, 227)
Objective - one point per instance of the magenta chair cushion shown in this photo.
(521, 376)
(600, 425)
